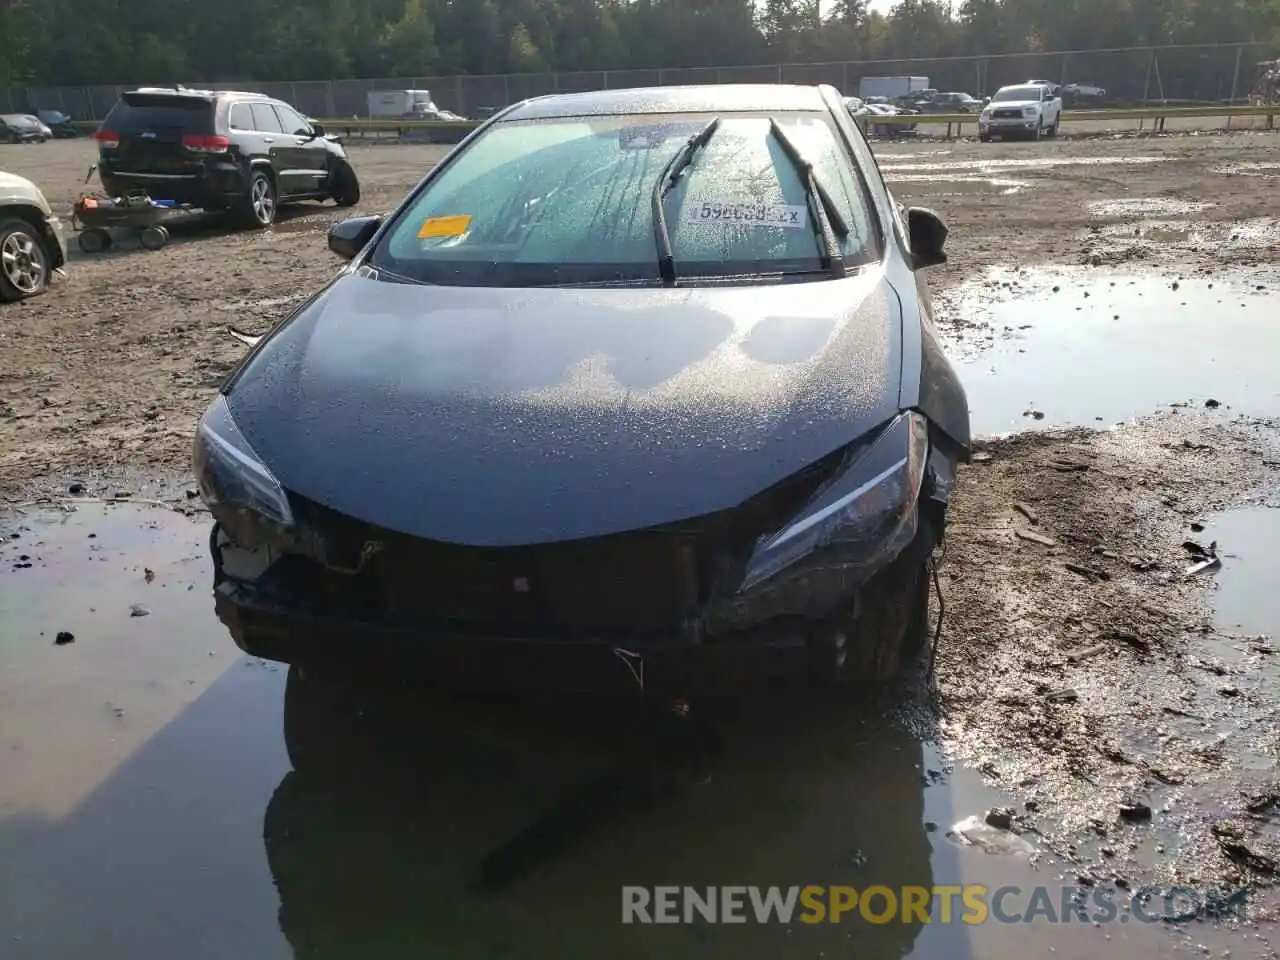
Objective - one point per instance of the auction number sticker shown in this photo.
(792, 216)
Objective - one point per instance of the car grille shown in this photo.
(1007, 114)
(643, 582)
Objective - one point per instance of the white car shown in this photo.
(887, 129)
(1026, 110)
(32, 246)
(858, 112)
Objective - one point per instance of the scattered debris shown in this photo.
(981, 457)
(63, 638)
(1206, 558)
(1133, 640)
(138, 610)
(1027, 511)
(148, 574)
(1089, 573)
(1262, 802)
(1000, 817)
(1033, 537)
(1076, 656)
(1135, 811)
(1212, 404)
(248, 339)
(1065, 695)
(975, 831)
(1196, 569)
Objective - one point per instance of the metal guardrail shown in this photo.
(953, 122)
(1157, 115)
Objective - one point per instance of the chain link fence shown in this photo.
(1218, 73)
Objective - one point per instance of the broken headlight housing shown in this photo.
(232, 478)
(861, 520)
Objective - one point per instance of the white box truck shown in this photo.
(401, 103)
(891, 88)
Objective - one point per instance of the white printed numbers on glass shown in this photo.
(748, 214)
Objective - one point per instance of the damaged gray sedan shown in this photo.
(638, 390)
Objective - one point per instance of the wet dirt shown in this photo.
(1076, 675)
(1084, 668)
(152, 786)
(160, 318)
(924, 184)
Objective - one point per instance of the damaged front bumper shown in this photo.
(267, 619)
(701, 607)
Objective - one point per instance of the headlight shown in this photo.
(230, 474)
(1030, 111)
(862, 519)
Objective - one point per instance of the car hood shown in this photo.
(1018, 104)
(494, 416)
(15, 189)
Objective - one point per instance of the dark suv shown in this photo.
(221, 150)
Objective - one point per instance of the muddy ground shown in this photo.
(1080, 671)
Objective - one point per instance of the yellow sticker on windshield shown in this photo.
(454, 226)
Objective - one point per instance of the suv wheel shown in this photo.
(260, 202)
(343, 185)
(24, 261)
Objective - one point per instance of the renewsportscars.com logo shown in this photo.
(969, 904)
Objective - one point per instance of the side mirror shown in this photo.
(928, 235)
(348, 237)
(317, 129)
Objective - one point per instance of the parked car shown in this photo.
(1055, 88)
(22, 128)
(1025, 110)
(858, 111)
(888, 129)
(1084, 93)
(60, 125)
(652, 401)
(951, 103)
(221, 150)
(32, 246)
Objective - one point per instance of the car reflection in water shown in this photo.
(420, 824)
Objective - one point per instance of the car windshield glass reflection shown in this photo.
(560, 201)
(1015, 94)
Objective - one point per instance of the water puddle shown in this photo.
(1156, 231)
(1148, 207)
(1082, 347)
(1262, 168)
(1233, 234)
(1245, 600)
(921, 184)
(1017, 163)
(385, 820)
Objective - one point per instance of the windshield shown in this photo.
(1017, 93)
(140, 113)
(569, 201)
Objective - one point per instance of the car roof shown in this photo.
(189, 93)
(709, 98)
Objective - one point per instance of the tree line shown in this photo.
(82, 42)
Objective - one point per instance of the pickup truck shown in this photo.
(1026, 110)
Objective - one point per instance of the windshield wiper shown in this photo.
(828, 222)
(670, 174)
